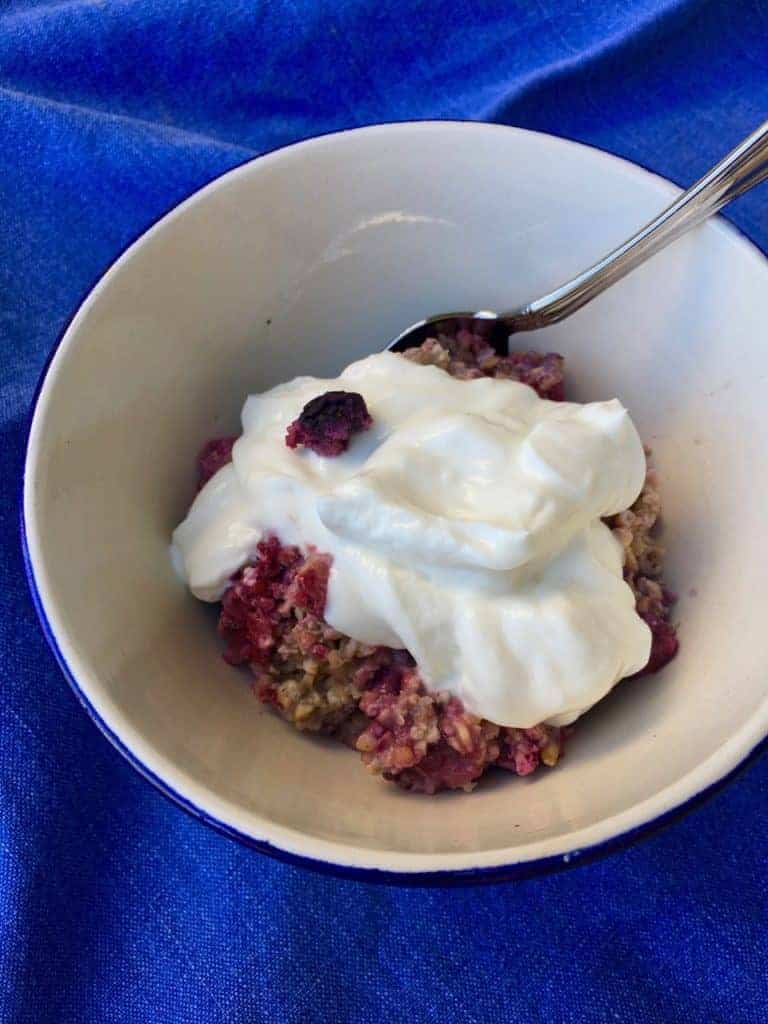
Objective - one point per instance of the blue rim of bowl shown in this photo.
(516, 871)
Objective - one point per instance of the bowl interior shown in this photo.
(298, 263)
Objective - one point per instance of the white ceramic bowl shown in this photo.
(297, 263)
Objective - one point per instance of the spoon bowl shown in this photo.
(484, 323)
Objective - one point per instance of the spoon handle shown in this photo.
(744, 167)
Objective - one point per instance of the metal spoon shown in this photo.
(744, 167)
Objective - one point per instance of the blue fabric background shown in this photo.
(115, 906)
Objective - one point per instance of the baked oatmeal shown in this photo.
(371, 696)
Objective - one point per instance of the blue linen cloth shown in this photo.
(114, 905)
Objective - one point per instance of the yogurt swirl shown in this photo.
(464, 525)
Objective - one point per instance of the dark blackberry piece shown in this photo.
(328, 422)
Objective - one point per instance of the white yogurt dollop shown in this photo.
(464, 525)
